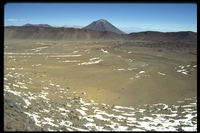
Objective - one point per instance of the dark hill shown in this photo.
(183, 36)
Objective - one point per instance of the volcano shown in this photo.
(103, 25)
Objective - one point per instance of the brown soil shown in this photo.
(112, 72)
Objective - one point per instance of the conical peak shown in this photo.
(103, 25)
(101, 20)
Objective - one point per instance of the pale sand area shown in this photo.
(108, 73)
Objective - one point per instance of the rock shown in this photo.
(8, 114)
(180, 129)
(17, 110)
(18, 107)
(31, 120)
(11, 104)
(9, 125)
(44, 129)
(14, 113)
(63, 129)
(76, 117)
(17, 129)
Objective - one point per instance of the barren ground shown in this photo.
(114, 74)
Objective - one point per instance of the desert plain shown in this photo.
(100, 85)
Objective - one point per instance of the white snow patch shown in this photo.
(81, 112)
(89, 63)
(142, 72)
(70, 61)
(104, 51)
(161, 73)
(65, 55)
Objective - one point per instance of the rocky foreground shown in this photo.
(26, 111)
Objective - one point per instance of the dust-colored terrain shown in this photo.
(100, 85)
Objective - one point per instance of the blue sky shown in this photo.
(128, 17)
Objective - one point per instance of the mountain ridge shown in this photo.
(40, 25)
(62, 33)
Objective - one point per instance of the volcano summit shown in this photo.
(103, 25)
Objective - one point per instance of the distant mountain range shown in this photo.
(99, 25)
(103, 25)
(74, 26)
(40, 25)
(97, 30)
(74, 34)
